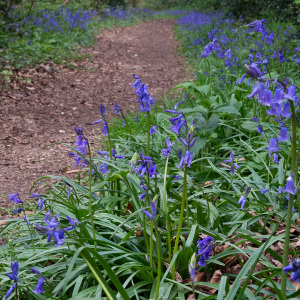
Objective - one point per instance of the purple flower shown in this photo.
(102, 110)
(293, 267)
(255, 119)
(116, 108)
(35, 271)
(186, 160)
(39, 286)
(102, 152)
(26, 220)
(15, 198)
(242, 202)
(81, 145)
(234, 166)
(289, 188)
(11, 289)
(72, 223)
(258, 90)
(276, 158)
(113, 152)
(136, 118)
(267, 98)
(179, 153)
(151, 215)
(252, 71)
(52, 230)
(189, 141)
(104, 129)
(273, 145)
(264, 191)
(286, 110)
(283, 135)
(153, 130)
(15, 271)
(175, 178)
(177, 127)
(260, 129)
(16, 211)
(205, 246)
(144, 162)
(100, 120)
(145, 100)
(167, 151)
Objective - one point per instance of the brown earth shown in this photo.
(58, 98)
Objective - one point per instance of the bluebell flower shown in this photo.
(113, 152)
(35, 271)
(81, 145)
(264, 191)
(255, 119)
(15, 271)
(72, 223)
(234, 166)
(276, 109)
(15, 198)
(179, 153)
(242, 202)
(243, 199)
(11, 289)
(286, 110)
(40, 202)
(267, 98)
(167, 151)
(276, 158)
(136, 118)
(186, 160)
(252, 71)
(175, 178)
(16, 211)
(102, 110)
(145, 99)
(257, 90)
(116, 108)
(189, 140)
(273, 146)
(145, 165)
(205, 247)
(178, 125)
(151, 215)
(39, 286)
(289, 188)
(283, 135)
(104, 129)
(26, 220)
(260, 129)
(294, 268)
(192, 267)
(52, 230)
(153, 130)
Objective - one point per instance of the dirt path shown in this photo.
(46, 112)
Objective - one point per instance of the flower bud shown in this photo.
(252, 71)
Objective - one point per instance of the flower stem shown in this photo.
(180, 219)
(291, 198)
(151, 245)
(90, 196)
(166, 211)
(158, 263)
(148, 134)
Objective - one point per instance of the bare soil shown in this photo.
(45, 111)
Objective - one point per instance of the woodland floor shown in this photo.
(58, 98)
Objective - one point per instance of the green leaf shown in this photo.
(227, 109)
